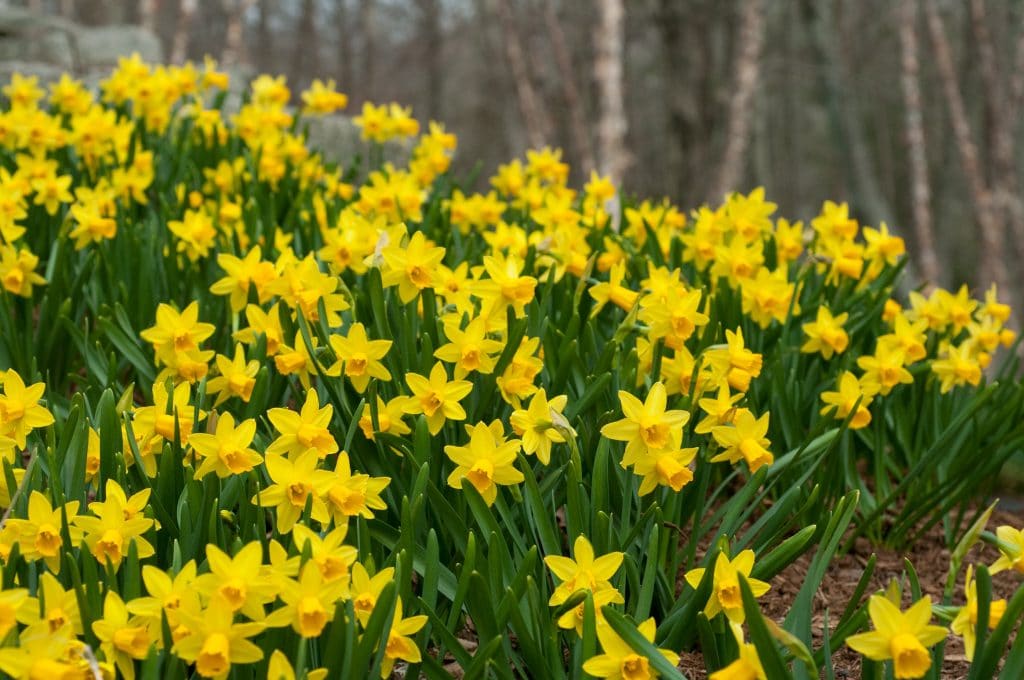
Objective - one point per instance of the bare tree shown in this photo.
(343, 41)
(431, 44)
(920, 187)
(234, 34)
(367, 29)
(147, 14)
(992, 264)
(306, 52)
(613, 158)
(179, 45)
(538, 129)
(567, 75)
(748, 66)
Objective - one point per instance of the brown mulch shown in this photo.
(930, 558)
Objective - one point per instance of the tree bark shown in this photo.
(430, 27)
(748, 67)
(147, 14)
(535, 121)
(179, 45)
(305, 57)
(266, 52)
(567, 74)
(921, 196)
(234, 33)
(343, 38)
(993, 267)
(367, 85)
(1002, 176)
(613, 157)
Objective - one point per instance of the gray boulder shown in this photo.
(337, 138)
(47, 46)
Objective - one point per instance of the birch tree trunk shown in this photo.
(612, 125)
(563, 61)
(430, 23)
(921, 197)
(147, 14)
(992, 265)
(343, 39)
(234, 34)
(741, 110)
(179, 45)
(306, 55)
(367, 30)
(534, 118)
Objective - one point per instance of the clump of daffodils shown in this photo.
(262, 415)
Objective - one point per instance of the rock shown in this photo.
(47, 46)
(337, 138)
(100, 47)
(45, 72)
(29, 37)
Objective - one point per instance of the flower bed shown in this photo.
(263, 415)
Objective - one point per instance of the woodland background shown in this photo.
(908, 109)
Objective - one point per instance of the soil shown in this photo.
(930, 558)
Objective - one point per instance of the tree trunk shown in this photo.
(748, 67)
(608, 74)
(367, 85)
(534, 118)
(234, 33)
(563, 60)
(305, 57)
(343, 38)
(992, 266)
(921, 196)
(430, 22)
(179, 45)
(147, 14)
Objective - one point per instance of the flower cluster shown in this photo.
(266, 415)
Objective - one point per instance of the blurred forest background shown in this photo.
(908, 109)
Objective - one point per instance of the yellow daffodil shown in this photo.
(215, 642)
(300, 432)
(647, 425)
(725, 588)
(39, 536)
(412, 268)
(850, 390)
(241, 274)
(295, 483)
(436, 397)
(237, 581)
(308, 603)
(966, 622)
(1011, 550)
(237, 377)
(584, 571)
(536, 424)
(359, 357)
(226, 452)
(389, 418)
(469, 349)
(399, 645)
(620, 661)
(826, 334)
(744, 440)
(20, 411)
(484, 463)
(903, 637)
(124, 639)
(117, 524)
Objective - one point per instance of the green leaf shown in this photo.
(761, 636)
